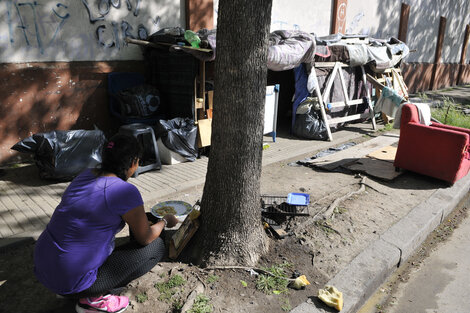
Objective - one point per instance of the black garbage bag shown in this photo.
(62, 155)
(179, 135)
(310, 126)
(139, 101)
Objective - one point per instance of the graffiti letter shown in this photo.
(142, 32)
(103, 7)
(116, 3)
(22, 26)
(36, 29)
(137, 8)
(116, 34)
(92, 19)
(129, 5)
(126, 30)
(99, 34)
(62, 22)
(10, 27)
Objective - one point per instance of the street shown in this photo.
(436, 279)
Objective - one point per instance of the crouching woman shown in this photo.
(75, 255)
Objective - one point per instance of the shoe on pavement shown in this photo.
(108, 303)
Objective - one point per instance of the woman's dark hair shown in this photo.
(118, 155)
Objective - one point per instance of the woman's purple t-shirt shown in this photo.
(80, 234)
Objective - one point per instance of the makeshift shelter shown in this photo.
(332, 74)
(331, 85)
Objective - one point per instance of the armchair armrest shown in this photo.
(448, 127)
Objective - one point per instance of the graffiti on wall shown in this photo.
(30, 21)
(45, 27)
(114, 35)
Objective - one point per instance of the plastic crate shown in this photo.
(277, 205)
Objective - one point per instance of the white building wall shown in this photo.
(80, 30)
(94, 30)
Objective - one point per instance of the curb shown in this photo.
(372, 267)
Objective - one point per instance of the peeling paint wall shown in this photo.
(41, 97)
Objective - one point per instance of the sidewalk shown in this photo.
(27, 202)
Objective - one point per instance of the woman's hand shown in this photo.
(139, 225)
(171, 220)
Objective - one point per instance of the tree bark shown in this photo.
(231, 231)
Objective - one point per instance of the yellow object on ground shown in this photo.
(332, 297)
(300, 282)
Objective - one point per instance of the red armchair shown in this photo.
(437, 150)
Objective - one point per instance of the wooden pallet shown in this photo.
(392, 78)
(346, 103)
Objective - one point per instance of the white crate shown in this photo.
(167, 156)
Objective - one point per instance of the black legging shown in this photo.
(126, 263)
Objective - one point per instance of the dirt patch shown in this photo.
(317, 249)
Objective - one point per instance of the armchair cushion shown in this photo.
(437, 150)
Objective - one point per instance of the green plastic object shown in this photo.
(192, 38)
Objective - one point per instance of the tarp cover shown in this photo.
(287, 49)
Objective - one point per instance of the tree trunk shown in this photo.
(231, 231)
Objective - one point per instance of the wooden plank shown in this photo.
(371, 109)
(329, 64)
(339, 16)
(329, 82)
(204, 131)
(377, 82)
(348, 118)
(463, 54)
(343, 86)
(404, 17)
(182, 236)
(437, 57)
(322, 105)
(342, 103)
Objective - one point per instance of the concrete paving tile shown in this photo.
(24, 211)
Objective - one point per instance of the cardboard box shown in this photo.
(204, 132)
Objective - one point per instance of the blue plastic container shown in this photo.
(294, 198)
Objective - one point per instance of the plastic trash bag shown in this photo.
(309, 124)
(179, 135)
(62, 155)
(139, 101)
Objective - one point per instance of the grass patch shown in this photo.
(451, 114)
(270, 284)
(170, 288)
(201, 305)
(325, 226)
(423, 96)
(387, 127)
(141, 297)
(285, 305)
(212, 279)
